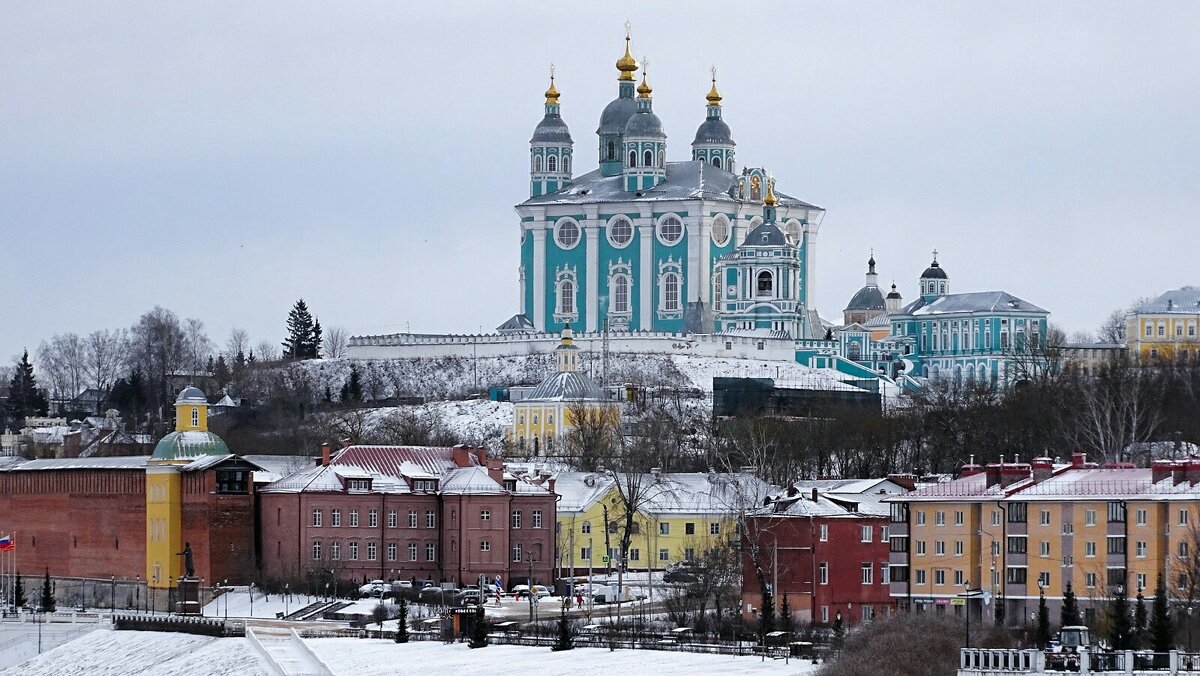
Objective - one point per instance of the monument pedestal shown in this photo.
(189, 597)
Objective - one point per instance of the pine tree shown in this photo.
(315, 341)
(221, 372)
(402, 625)
(352, 390)
(47, 594)
(768, 614)
(1162, 630)
(1069, 615)
(1120, 631)
(19, 592)
(299, 343)
(1043, 625)
(563, 642)
(239, 364)
(24, 397)
(1139, 621)
(479, 630)
(786, 623)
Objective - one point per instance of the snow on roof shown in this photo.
(978, 301)
(470, 480)
(117, 462)
(667, 493)
(389, 460)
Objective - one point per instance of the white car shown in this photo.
(373, 588)
(522, 590)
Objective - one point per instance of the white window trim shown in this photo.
(558, 225)
(608, 229)
(720, 218)
(658, 229)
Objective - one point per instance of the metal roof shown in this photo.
(566, 386)
(1184, 300)
(867, 298)
(979, 301)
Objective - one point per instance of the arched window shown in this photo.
(729, 165)
(612, 150)
(717, 162)
(195, 417)
(632, 158)
(792, 230)
(537, 162)
(566, 298)
(855, 351)
(765, 284)
(670, 291)
(552, 163)
(620, 294)
(566, 164)
(648, 158)
(662, 159)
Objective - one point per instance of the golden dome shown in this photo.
(552, 92)
(770, 200)
(627, 64)
(644, 91)
(714, 96)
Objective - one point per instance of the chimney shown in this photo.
(461, 456)
(906, 481)
(969, 469)
(657, 472)
(993, 474)
(1179, 472)
(1078, 460)
(495, 470)
(792, 491)
(1160, 470)
(814, 495)
(1042, 468)
(346, 442)
(550, 484)
(325, 453)
(482, 454)
(1013, 472)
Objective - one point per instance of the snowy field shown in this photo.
(103, 652)
(239, 604)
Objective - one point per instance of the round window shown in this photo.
(720, 232)
(620, 232)
(670, 230)
(792, 230)
(567, 234)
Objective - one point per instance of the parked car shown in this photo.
(521, 591)
(471, 595)
(403, 584)
(374, 588)
(433, 594)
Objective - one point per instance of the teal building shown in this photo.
(636, 243)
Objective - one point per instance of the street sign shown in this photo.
(604, 559)
(958, 602)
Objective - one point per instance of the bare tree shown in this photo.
(197, 345)
(266, 351)
(158, 349)
(1185, 568)
(1112, 330)
(237, 343)
(1119, 406)
(591, 437)
(61, 362)
(336, 340)
(106, 356)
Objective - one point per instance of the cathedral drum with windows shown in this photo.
(635, 244)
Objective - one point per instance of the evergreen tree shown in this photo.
(299, 343)
(315, 341)
(221, 372)
(786, 623)
(1043, 625)
(1120, 631)
(24, 397)
(563, 642)
(1069, 615)
(19, 592)
(328, 395)
(210, 366)
(402, 626)
(1139, 622)
(47, 594)
(768, 614)
(239, 364)
(1162, 630)
(128, 396)
(479, 630)
(352, 390)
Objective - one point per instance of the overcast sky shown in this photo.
(225, 159)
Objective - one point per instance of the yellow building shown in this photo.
(1167, 327)
(190, 441)
(1003, 534)
(682, 515)
(541, 419)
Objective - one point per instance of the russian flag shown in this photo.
(7, 544)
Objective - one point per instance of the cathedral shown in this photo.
(641, 243)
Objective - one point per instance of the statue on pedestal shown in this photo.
(189, 566)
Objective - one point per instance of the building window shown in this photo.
(195, 417)
(670, 291)
(689, 529)
(392, 518)
(664, 528)
(958, 547)
(1183, 517)
(1044, 579)
(353, 551)
(1116, 512)
(866, 573)
(958, 578)
(485, 546)
(316, 550)
(566, 235)
(885, 573)
(823, 573)
(939, 518)
(648, 158)
(316, 517)
(920, 518)
(1116, 545)
(1044, 518)
(714, 529)
(430, 552)
(1017, 545)
(1183, 550)
(354, 518)
(412, 551)
(516, 552)
(537, 519)
(939, 577)
(1017, 512)
(823, 531)
(664, 555)
(635, 554)
(1044, 548)
(430, 519)
(335, 551)
(939, 548)
(670, 230)
(920, 548)
(866, 533)
(566, 302)
(372, 519)
(371, 551)
(586, 529)
(632, 158)
(585, 553)
(412, 518)
(1017, 575)
(620, 289)
(920, 577)
(958, 518)
(1089, 549)
(1089, 517)
(1089, 580)
(765, 286)
(620, 232)
(391, 551)
(335, 517)
(552, 163)
(1140, 548)
(516, 519)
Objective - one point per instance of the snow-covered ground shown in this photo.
(104, 652)
(239, 604)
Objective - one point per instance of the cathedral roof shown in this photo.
(979, 301)
(566, 386)
(552, 129)
(868, 298)
(934, 271)
(685, 180)
(518, 323)
(191, 395)
(713, 130)
(616, 115)
(189, 445)
(645, 123)
(766, 234)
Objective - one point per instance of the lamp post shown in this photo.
(967, 607)
(225, 590)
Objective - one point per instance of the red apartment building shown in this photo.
(406, 512)
(823, 545)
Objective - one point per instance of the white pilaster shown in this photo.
(538, 231)
(646, 281)
(706, 260)
(592, 280)
(810, 257)
(692, 286)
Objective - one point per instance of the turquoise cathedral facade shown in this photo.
(641, 243)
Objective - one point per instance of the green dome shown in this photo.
(189, 445)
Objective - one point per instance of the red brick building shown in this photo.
(823, 545)
(405, 512)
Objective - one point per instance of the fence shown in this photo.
(187, 625)
(997, 662)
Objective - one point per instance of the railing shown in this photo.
(994, 662)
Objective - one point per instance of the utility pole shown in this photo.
(529, 558)
(591, 599)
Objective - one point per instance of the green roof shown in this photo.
(189, 445)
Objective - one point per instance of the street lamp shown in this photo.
(225, 589)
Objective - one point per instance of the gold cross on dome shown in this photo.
(714, 72)
(628, 28)
(552, 71)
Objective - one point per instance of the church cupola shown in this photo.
(550, 149)
(769, 202)
(894, 301)
(566, 353)
(714, 143)
(934, 281)
(617, 113)
(645, 149)
(868, 302)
